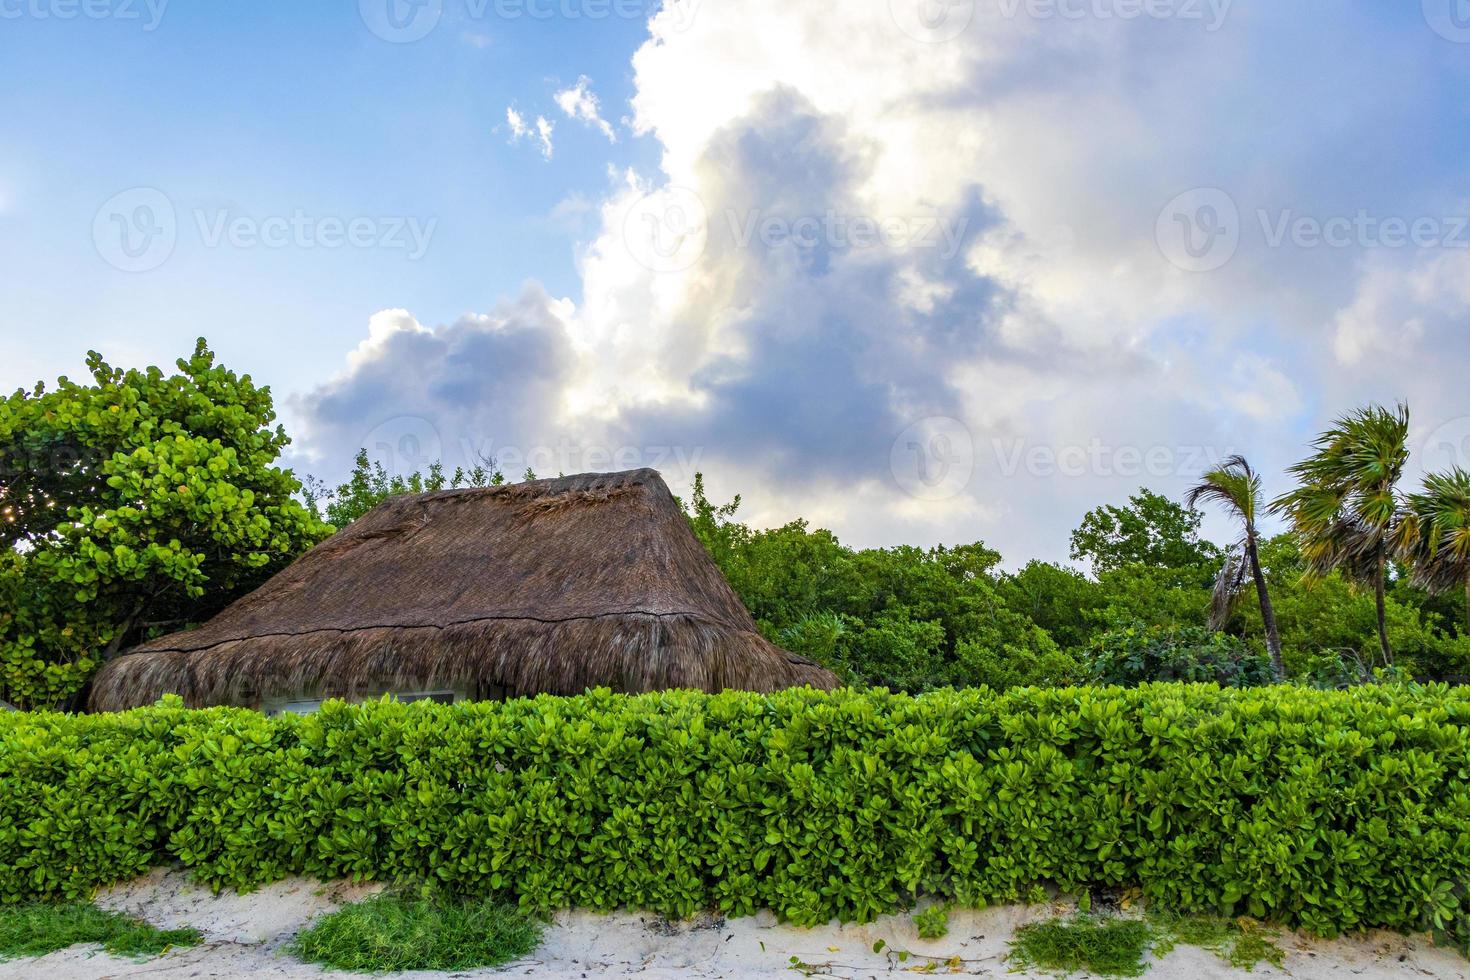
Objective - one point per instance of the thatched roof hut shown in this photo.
(547, 586)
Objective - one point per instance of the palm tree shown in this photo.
(1237, 487)
(1346, 511)
(1435, 534)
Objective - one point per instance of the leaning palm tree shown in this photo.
(1435, 535)
(1237, 488)
(1346, 511)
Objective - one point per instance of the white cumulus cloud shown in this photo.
(959, 241)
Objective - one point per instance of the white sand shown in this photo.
(245, 934)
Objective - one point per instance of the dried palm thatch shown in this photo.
(549, 586)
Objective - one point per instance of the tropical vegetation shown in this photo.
(143, 501)
(1331, 810)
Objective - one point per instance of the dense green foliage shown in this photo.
(1328, 809)
(37, 928)
(906, 618)
(1151, 531)
(1139, 654)
(913, 618)
(396, 931)
(136, 504)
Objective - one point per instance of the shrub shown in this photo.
(1326, 809)
(418, 932)
(38, 928)
(1137, 655)
(933, 922)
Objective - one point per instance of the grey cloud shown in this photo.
(452, 393)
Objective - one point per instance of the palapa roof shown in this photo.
(549, 586)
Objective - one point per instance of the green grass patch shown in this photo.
(1240, 945)
(1106, 947)
(1115, 947)
(401, 931)
(38, 928)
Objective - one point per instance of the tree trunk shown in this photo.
(1467, 606)
(1378, 578)
(1268, 613)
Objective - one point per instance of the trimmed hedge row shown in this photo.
(1326, 809)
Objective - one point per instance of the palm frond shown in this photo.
(1229, 586)
(1436, 541)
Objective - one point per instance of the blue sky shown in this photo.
(267, 108)
(918, 278)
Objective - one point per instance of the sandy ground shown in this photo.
(245, 934)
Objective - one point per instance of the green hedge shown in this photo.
(1326, 809)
